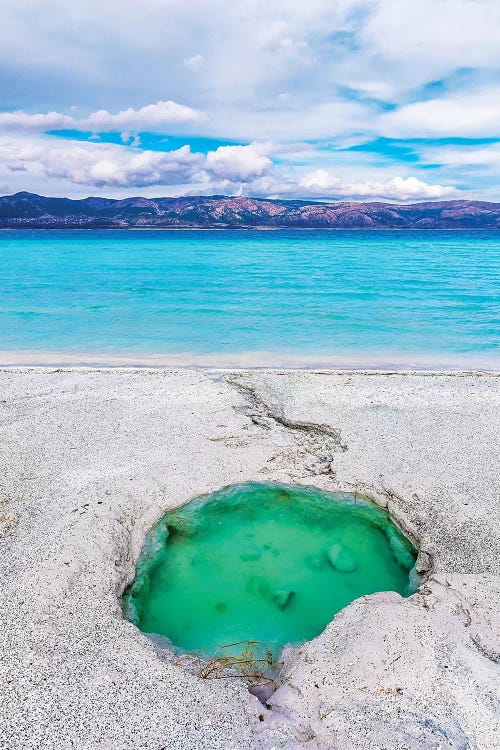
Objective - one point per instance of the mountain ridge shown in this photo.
(25, 210)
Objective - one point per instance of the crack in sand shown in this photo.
(314, 445)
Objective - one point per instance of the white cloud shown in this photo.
(157, 117)
(471, 115)
(322, 184)
(109, 165)
(261, 70)
(98, 165)
(153, 117)
(420, 42)
(485, 158)
(245, 54)
(237, 163)
(20, 120)
(194, 63)
(276, 40)
(233, 170)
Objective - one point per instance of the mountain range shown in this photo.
(31, 211)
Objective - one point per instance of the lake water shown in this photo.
(201, 296)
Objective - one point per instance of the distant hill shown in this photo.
(27, 210)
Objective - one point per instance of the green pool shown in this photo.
(263, 562)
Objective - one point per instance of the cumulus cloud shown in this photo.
(99, 165)
(20, 120)
(153, 117)
(108, 165)
(239, 163)
(232, 170)
(322, 184)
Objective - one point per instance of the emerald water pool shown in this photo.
(263, 562)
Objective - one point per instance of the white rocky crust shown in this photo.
(90, 459)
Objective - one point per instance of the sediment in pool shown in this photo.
(263, 563)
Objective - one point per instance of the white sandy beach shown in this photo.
(91, 458)
(268, 360)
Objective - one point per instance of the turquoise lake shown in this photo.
(430, 295)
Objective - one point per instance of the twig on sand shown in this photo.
(245, 663)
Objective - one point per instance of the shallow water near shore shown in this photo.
(365, 296)
(266, 563)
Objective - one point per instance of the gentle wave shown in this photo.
(372, 298)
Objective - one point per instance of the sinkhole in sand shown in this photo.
(263, 562)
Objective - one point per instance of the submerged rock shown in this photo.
(341, 558)
(282, 495)
(282, 598)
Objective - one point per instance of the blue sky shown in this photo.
(336, 100)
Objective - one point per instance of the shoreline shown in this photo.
(269, 361)
(250, 229)
(223, 371)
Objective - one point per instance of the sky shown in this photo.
(393, 100)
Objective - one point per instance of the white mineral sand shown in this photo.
(89, 460)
